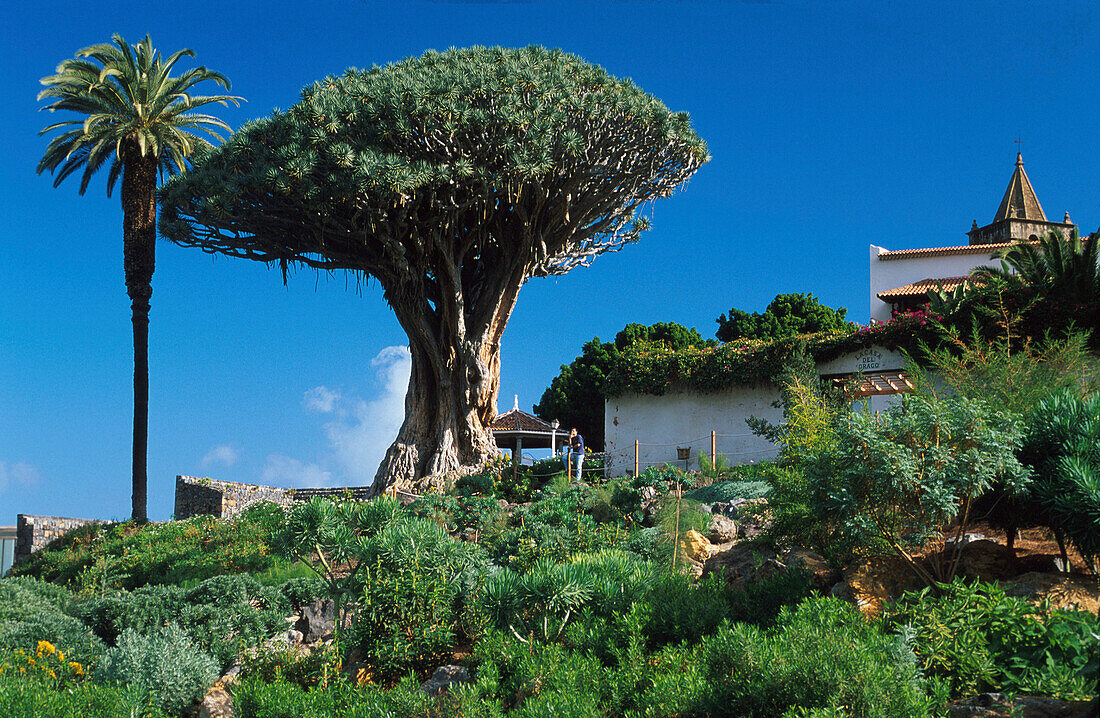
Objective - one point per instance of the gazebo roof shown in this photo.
(516, 425)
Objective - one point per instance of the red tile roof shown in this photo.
(516, 420)
(989, 249)
(923, 287)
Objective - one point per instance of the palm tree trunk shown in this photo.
(139, 233)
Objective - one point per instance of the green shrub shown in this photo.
(164, 665)
(978, 639)
(729, 491)
(133, 555)
(1063, 446)
(759, 603)
(893, 481)
(300, 592)
(821, 655)
(22, 598)
(406, 620)
(65, 632)
(21, 697)
(141, 610)
(683, 610)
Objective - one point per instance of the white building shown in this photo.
(903, 278)
(676, 428)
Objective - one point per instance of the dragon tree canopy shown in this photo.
(451, 178)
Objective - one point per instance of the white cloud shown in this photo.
(18, 474)
(225, 455)
(321, 399)
(282, 470)
(358, 430)
(359, 440)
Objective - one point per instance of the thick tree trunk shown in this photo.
(139, 234)
(453, 388)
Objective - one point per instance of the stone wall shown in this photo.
(34, 532)
(226, 499)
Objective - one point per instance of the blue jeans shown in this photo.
(578, 458)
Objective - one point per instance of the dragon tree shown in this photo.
(451, 179)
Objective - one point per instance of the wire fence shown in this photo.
(630, 458)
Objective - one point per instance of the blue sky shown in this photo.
(832, 125)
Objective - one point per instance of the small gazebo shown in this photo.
(517, 430)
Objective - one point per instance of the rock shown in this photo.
(696, 546)
(722, 529)
(318, 620)
(964, 539)
(288, 638)
(230, 676)
(874, 581)
(822, 575)
(997, 705)
(753, 517)
(1063, 590)
(503, 504)
(985, 560)
(648, 493)
(217, 703)
(443, 678)
(744, 563)
(1041, 563)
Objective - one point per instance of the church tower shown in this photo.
(1020, 216)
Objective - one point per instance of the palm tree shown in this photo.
(137, 119)
(1053, 267)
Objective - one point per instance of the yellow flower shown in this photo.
(76, 668)
(45, 646)
(51, 673)
(61, 656)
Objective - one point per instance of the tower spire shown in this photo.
(1020, 201)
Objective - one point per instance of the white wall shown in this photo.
(894, 273)
(683, 418)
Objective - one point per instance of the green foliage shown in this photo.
(729, 491)
(302, 591)
(223, 615)
(649, 369)
(821, 655)
(786, 316)
(22, 598)
(256, 698)
(1063, 446)
(191, 550)
(406, 620)
(38, 696)
(163, 664)
(977, 639)
(65, 632)
(576, 396)
(899, 479)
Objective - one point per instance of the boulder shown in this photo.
(696, 546)
(753, 517)
(318, 620)
(997, 705)
(722, 529)
(1064, 590)
(744, 563)
(218, 703)
(822, 575)
(984, 560)
(872, 582)
(443, 678)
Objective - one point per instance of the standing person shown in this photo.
(576, 450)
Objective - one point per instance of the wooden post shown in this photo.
(713, 451)
(569, 464)
(635, 457)
(676, 532)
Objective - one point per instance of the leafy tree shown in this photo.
(786, 315)
(451, 178)
(897, 480)
(1063, 446)
(575, 396)
(139, 120)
